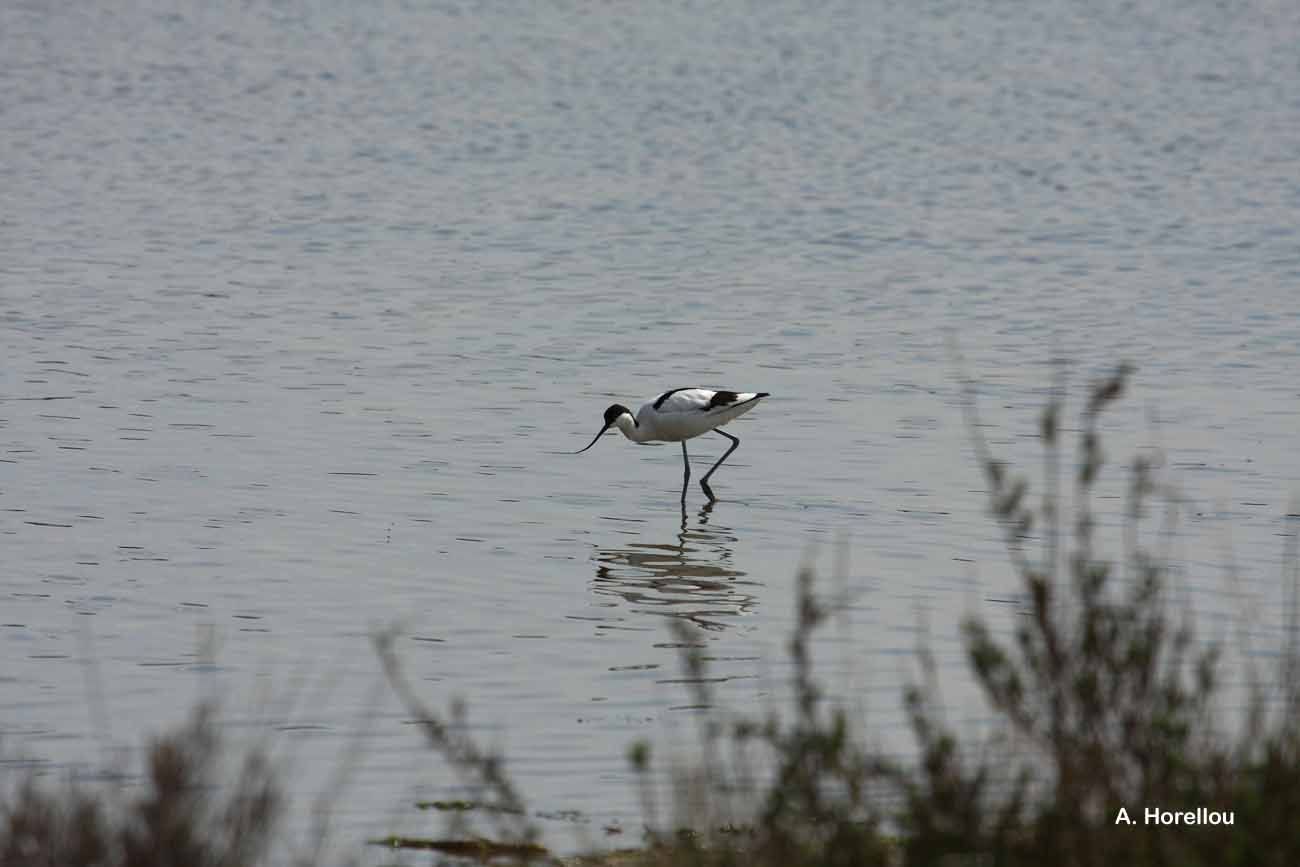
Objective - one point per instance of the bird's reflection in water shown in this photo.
(692, 577)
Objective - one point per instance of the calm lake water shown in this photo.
(300, 303)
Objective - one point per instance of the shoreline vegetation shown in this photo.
(1104, 705)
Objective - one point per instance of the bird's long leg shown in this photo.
(704, 482)
(686, 479)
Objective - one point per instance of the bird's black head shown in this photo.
(614, 412)
(611, 416)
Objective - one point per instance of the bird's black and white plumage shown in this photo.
(679, 415)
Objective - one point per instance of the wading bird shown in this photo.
(679, 415)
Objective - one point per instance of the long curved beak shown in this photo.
(593, 442)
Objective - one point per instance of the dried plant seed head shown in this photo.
(1047, 423)
(638, 755)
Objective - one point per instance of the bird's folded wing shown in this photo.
(684, 400)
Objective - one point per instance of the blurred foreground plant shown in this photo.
(491, 792)
(1105, 701)
(180, 817)
(819, 803)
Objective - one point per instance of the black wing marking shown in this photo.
(659, 401)
(721, 398)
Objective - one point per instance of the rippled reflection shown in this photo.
(692, 577)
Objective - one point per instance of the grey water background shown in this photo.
(299, 301)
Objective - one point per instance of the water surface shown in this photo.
(298, 305)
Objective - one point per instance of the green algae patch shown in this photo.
(477, 849)
(462, 806)
(615, 858)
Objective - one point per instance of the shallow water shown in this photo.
(299, 306)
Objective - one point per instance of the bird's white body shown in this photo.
(685, 413)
